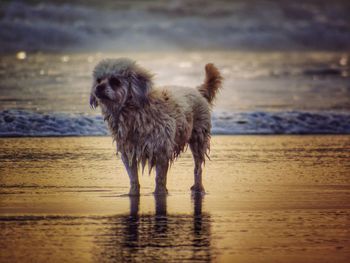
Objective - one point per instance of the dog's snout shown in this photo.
(100, 87)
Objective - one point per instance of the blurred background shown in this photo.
(79, 25)
(285, 63)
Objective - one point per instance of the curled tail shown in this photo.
(212, 83)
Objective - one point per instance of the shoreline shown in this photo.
(212, 135)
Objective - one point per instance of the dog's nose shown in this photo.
(100, 90)
(100, 87)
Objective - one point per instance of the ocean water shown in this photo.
(58, 25)
(286, 64)
(47, 94)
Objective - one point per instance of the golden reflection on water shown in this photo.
(160, 236)
(270, 198)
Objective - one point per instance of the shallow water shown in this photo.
(264, 92)
(271, 198)
(253, 81)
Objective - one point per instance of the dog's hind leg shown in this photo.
(198, 149)
(161, 177)
(133, 175)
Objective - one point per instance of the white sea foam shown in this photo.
(19, 123)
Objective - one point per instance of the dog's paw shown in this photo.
(198, 189)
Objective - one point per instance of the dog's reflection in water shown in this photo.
(159, 236)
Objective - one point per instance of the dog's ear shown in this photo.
(93, 101)
(140, 84)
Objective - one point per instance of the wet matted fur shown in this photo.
(153, 126)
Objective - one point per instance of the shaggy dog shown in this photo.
(151, 125)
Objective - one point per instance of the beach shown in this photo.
(278, 179)
(269, 199)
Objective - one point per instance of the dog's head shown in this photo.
(117, 80)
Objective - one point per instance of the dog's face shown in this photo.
(110, 89)
(118, 80)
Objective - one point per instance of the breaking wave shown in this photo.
(19, 123)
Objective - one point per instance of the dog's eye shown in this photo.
(115, 82)
(98, 81)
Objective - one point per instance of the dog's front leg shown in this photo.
(133, 175)
(161, 174)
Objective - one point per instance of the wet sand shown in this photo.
(269, 199)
